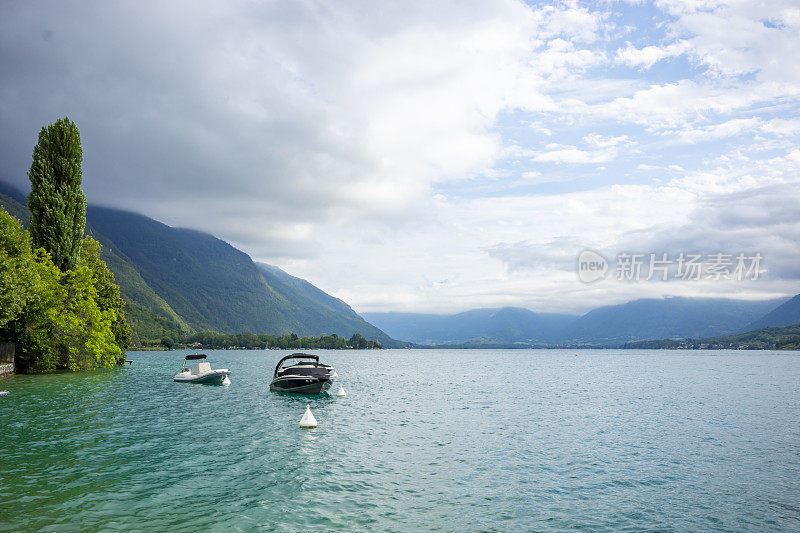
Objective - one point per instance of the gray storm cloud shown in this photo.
(330, 138)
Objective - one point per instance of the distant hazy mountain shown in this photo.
(666, 318)
(177, 280)
(505, 325)
(784, 315)
(637, 320)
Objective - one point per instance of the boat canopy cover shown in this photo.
(195, 356)
(299, 355)
(296, 356)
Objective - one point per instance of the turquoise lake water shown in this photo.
(449, 440)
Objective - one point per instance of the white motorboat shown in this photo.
(202, 372)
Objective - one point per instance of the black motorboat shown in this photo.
(307, 376)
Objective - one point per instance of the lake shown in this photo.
(449, 440)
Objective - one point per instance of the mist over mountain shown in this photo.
(178, 280)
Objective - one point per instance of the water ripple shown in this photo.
(425, 440)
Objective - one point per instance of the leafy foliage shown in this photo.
(62, 325)
(358, 342)
(788, 343)
(33, 331)
(82, 328)
(16, 278)
(57, 204)
(108, 296)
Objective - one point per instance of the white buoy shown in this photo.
(334, 375)
(341, 391)
(226, 381)
(308, 420)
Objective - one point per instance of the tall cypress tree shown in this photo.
(56, 202)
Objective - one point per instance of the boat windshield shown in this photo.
(303, 359)
(192, 357)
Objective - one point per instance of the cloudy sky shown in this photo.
(433, 156)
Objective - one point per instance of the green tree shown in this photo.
(56, 202)
(16, 262)
(108, 296)
(357, 341)
(83, 330)
(62, 325)
(33, 331)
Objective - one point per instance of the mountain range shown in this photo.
(614, 324)
(666, 318)
(505, 325)
(178, 280)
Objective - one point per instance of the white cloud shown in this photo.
(731, 38)
(649, 55)
(597, 140)
(603, 149)
(575, 156)
(561, 59)
(684, 102)
(716, 131)
(782, 127)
